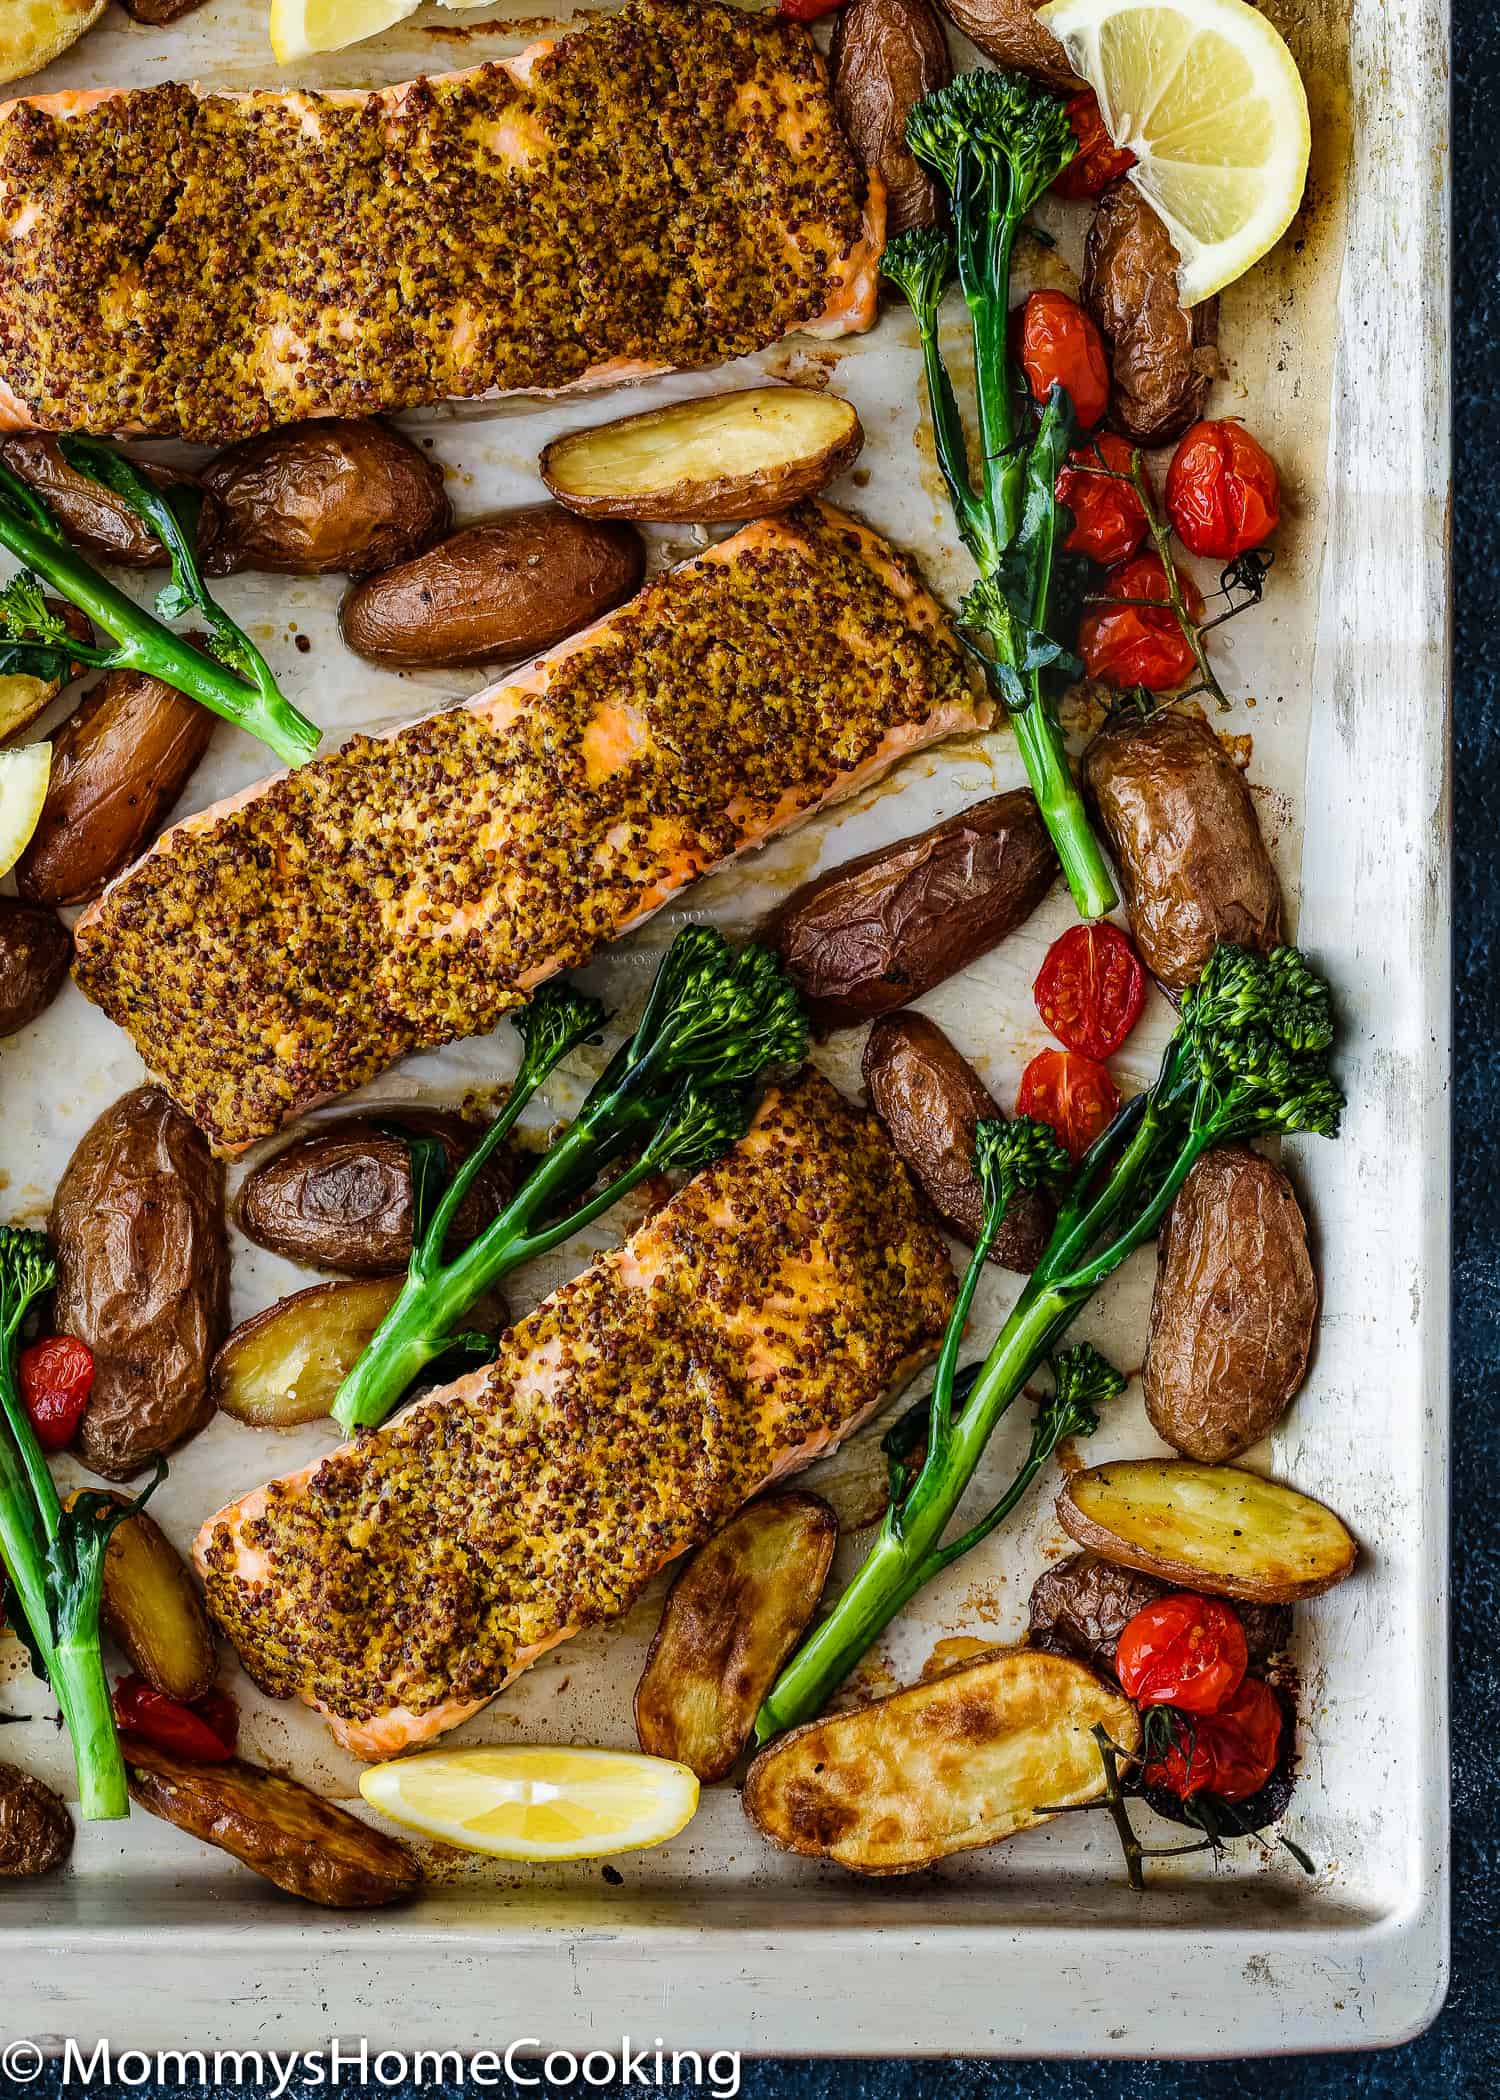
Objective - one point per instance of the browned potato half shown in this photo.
(724, 456)
(34, 950)
(282, 1829)
(734, 1615)
(971, 1756)
(286, 1364)
(505, 588)
(143, 1278)
(1185, 838)
(1235, 1308)
(1008, 32)
(886, 55)
(34, 32)
(1213, 1528)
(324, 496)
(152, 1608)
(36, 1831)
(1162, 357)
(119, 762)
(339, 1196)
(158, 13)
(1081, 1605)
(881, 930)
(931, 1100)
(95, 518)
(23, 696)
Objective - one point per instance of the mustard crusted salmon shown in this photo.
(290, 943)
(401, 1581)
(664, 188)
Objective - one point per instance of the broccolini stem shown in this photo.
(76, 1668)
(1047, 769)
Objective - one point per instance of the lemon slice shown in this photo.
(299, 28)
(1207, 96)
(24, 775)
(533, 1803)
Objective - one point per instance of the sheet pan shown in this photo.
(1336, 352)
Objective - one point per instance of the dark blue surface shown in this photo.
(1459, 2057)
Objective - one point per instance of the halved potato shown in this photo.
(1214, 1528)
(726, 456)
(34, 32)
(972, 1756)
(734, 1615)
(286, 1364)
(152, 1608)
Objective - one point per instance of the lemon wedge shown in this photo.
(24, 775)
(301, 28)
(1207, 96)
(535, 1803)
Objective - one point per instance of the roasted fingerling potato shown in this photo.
(710, 461)
(505, 588)
(285, 1365)
(883, 929)
(24, 696)
(1162, 355)
(1082, 1604)
(931, 1101)
(152, 1609)
(1213, 1528)
(1235, 1307)
(329, 496)
(119, 763)
(36, 1831)
(1182, 832)
(965, 1759)
(886, 55)
(1008, 32)
(276, 1826)
(339, 1195)
(97, 521)
(734, 1615)
(143, 1278)
(34, 950)
(34, 32)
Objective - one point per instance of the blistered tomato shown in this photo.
(57, 1376)
(1091, 988)
(1230, 1754)
(1098, 161)
(1072, 1094)
(1185, 1651)
(1108, 521)
(202, 1731)
(1139, 643)
(1223, 491)
(1060, 346)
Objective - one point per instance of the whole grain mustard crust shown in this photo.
(407, 891)
(769, 1305)
(670, 185)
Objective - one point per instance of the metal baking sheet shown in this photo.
(1335, 349)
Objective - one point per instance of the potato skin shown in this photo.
(1162, 355)
(34, 950)
(330, 495)
(36, 1831)
(1184, 836)
(505, 588)
(151, 1607)
(143, 1278)
(733, 1616)
(339, 1196)
(95, 519)
(1008, 32)
(119, 763)
(886, 55)
(930, 1099)
(1234, 1310)
(1081, 1605)
(158, 13)
(280, 1828)
(884, 928)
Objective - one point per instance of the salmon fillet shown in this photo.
(287, 945)
(664, 188)
(400, 1582)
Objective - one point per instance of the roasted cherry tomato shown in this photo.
(1060, 346)
(1184, 1651)
(1223, 491)
(806, 10)
(1098, 160)
(219, 1711)
(1139, 644)
(1091, 988)
(1108, 521)
(141, 1710)
(1072, 1093)
(57, 1376)
(1233, 1752)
